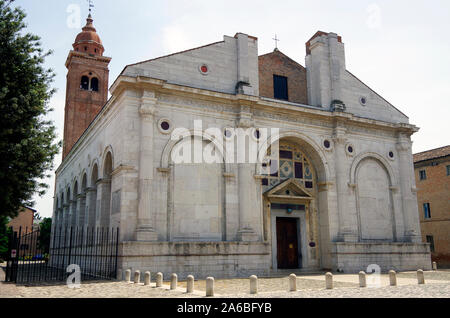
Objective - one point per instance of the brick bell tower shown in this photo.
(87, 84)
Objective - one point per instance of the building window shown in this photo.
(84, 83)
(280, 88)
(427, 210)
(422, 175)
(89, 84)
(94, 84)
(448, 170)
(430, 240)
(289, 162)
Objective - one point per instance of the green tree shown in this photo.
(4, 237)
(27, 139)
(45, 228)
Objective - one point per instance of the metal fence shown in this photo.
(32, 258)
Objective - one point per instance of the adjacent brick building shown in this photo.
(23, 220)
(432, 171)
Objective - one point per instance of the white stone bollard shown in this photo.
(329, 280)
(362, 279)
(253, 284)
(147, 278)
(392, 278)
(159, 279)
(292, 282)
(209, 286)
(190, 284)
(128, 275)
(420, 277)
(137, 277)
(173, 281)
(434, 266)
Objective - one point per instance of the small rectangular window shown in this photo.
(284, 154)
(448, 170)
(430, 240)
(280, 87)
(299, 170)
(422, 175)
(426, 211)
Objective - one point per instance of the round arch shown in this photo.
(93, 174)
(165, 157)
(108, 150)
(356, 162)
(310, 147)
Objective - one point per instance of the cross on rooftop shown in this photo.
(276, 41)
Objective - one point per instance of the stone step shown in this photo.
(296, 271)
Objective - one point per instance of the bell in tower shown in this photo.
(87, 84)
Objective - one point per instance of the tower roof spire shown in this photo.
(88, 40)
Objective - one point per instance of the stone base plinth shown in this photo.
(247, 236)
(355, 257)
(201, 259)
(146, 235)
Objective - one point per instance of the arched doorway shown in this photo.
(290, 192)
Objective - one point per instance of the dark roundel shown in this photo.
(363, 101)
(391, 154)
(227, 133)
(165, 125)
(257, 134)
(350, 149)
(327, 144)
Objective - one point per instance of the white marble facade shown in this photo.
(359, 206)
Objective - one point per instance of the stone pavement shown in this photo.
(309, 286)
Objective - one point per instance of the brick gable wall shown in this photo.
(279, 64)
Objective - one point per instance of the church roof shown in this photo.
(432, 154)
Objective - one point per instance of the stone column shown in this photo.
(346, 231)
(59, 217)
(103, 212)
(246, 204)
(65, 215)
(73, 213)
(65, 223)
(91, 200)
(407, 184)
(81, 203)
(145, 229)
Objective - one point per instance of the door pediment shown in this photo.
(288, 191)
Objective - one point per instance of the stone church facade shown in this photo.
(334, 190)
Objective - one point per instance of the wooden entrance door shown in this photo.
(287, 243)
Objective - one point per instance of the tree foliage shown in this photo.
(45, 228)
(27, 139)
(5, 233)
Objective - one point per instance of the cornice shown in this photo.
(87, 56)
(123, 82)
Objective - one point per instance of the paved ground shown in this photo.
(311, 286)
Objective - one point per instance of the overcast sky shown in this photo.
(401, 49)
